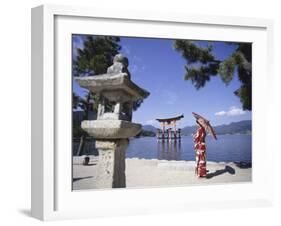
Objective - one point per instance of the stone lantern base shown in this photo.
(111, 165)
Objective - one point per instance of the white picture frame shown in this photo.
(52, 198)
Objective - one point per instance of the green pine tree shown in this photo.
(94, 58)
(96, 55)
(202, 65)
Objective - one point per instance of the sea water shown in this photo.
(227, 148)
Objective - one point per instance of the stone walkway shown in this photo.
(155, 173)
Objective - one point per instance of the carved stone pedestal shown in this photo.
(111, 165)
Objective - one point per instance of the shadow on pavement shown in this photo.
(227, 169)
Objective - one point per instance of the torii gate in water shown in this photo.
(171, 133)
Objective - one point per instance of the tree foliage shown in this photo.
(87, 103)
(96, 55)
(93, 59)
(202, 65)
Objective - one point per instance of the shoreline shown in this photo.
(145, 173)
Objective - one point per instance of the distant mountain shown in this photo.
(188, 130)
(147, 131)
(149, 128)
(242, 127)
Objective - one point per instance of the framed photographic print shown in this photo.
(136, 113)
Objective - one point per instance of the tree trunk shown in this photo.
(81, 145)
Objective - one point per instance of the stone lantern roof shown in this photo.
(108, 84)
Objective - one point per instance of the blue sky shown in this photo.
(158, 68)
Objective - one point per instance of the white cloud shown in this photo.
(126, 49)
(220, 113)
(137, 59)
(143, 67)
(232, 111)
(136, 64)
(151, 122)
(134, 68)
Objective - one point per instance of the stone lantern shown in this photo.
(113, 126)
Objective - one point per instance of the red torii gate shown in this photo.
(169, 133)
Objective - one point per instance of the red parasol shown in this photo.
(206, 124)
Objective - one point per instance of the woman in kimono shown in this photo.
(200, 149)
(200, 146)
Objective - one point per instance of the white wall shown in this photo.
(15, 110)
